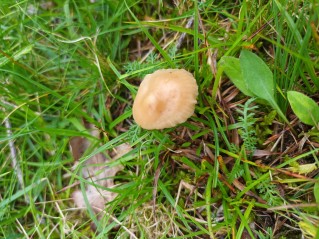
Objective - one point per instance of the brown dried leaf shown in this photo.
(78, 146)
(97, 198)
(96, 171)
(263, 153)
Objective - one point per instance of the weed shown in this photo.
(247, 127)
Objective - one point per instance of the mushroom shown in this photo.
(165, 98)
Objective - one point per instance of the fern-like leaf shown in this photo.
(247, 130)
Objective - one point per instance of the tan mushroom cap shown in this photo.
(165, 98)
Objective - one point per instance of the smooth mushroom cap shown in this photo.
(165, 98)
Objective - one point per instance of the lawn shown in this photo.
(75, 164)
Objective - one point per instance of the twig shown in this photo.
(22, 229)
(292, 206)
(183, 35)
(14, 158)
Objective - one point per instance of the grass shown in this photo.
(233, 170)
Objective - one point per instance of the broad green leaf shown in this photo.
(231, 66)
(257, 75)
(259, 79)
(304, 107)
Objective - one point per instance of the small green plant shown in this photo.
(306, 109)
(247, 129)
(141, 69)
(152, 62)
(269, 193)
(236, 172)
(268, 234)
(263, 129)
(253, 77)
